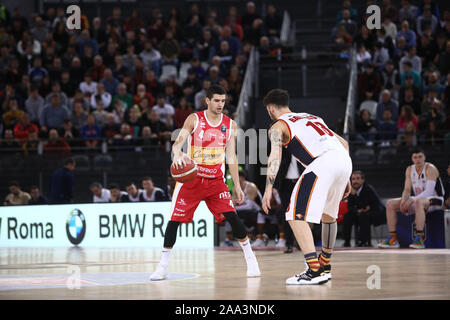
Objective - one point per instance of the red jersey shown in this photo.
(207, 145)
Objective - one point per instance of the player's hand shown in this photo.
(405, 205)
(239, 195)
(267, 198)
(179, 160)
(348, 189)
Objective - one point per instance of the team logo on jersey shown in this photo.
(202, 124)
(223, 128)
(299, 216)
(181, 202)
(225, 195)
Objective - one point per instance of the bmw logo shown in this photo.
(76, 226)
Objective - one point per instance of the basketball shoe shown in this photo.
(281, 243)
(417, 243)
(308, 277)
(327, 271)
(389, 243)
(161, 273)
(259, 242)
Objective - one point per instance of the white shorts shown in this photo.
(321, 187)
(436, 203)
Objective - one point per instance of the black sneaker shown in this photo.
(288, 249)
(308, 277)
(327, 271)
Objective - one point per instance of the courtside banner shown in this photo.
(139, 224)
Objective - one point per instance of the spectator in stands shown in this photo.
(123, 140)
(233, 42)
(387, 129)
(205, 47)
(54, 114)
(79, 116)
(255, 32)
(116, 195)
(427, 51)
(407, 12)
(150, 56)
(151, 193)
(364, 205)
(110, 82)
(100, 114)
(118, 111)
(433, 83)
(182, 111)
(67, 85)
(79, 97)
(369, 84)
(99, 194)
(13, 115)
(157, 127)
(91, 133)
(427, 20)
(365, 128)
(23, 128)
(55, 145)
(250, 16)
(347, 5)
(365, 37)
(56, 89)
(36, 197)
(88, 87)
(407, 115)
(407, 33)
(69, 133)
(98, 33)
(343, 40)
(389, 27)
(132, 118)
(348, 23)
(134, 194)
(272, 23)
(62, 183)
(37, 72)
(408, 70)
(432, 121)
(191, 86)
(111, 128)
(407, 98)
(390, 77)
(169, 49)
(101, 94)
(32, 144)
(363, 56)
(380, 56)
(387, 103)
(412, 57)
(9, 144)
(165, 111)
(428, 100)
(16, 197)
(148, 138)
(123, 96)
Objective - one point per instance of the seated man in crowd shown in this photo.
(117, 195)
(363, 206)
(36, 196)
(100, 194)
(16, 197)
(150, 192)
(422, 178)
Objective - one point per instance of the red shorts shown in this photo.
(187, 197)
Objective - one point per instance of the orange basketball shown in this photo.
(185, 174)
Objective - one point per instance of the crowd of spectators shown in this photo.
(128, 80)
(404, 72)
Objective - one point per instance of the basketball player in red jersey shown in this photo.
(212, 137)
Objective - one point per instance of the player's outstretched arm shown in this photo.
(178, 155)
(276, 140)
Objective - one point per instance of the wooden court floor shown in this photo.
(91, 274)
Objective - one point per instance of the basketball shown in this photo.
(185, 174)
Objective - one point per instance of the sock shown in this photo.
(248, 252)
(281, 235)
(420, 233)
(165, 256)
(324, 258)
(259, 236)
(393, 235)
(312, 261)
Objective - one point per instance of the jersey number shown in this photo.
(320, 128)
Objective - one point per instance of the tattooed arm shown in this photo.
(276, 139)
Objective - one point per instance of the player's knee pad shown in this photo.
(329, 232)
(171, 234)
(237, 226)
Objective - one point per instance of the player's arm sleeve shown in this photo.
(433, 175)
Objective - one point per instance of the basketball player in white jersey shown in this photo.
(323, 184)
(422, 178)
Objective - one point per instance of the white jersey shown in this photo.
(104, 197)
(419, 182)
(309, 137)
